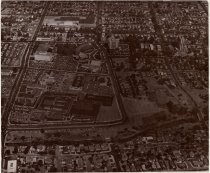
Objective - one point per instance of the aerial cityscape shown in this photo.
(104, 86)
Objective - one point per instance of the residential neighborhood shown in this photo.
(104, 86)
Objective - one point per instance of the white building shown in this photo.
(12, 166)
(44, 39)
(68, 21)
(42, 53)
(43, 57)
(6, 72)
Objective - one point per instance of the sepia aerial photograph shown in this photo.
(104, 86)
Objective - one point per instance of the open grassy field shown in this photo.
(137, 109)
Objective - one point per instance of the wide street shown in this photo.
(19, 78)
(114, 83)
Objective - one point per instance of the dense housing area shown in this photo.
(104, 86)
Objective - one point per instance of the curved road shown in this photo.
(56, 125)
(61, 125)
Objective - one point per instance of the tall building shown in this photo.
(183, 46)
(183, 50)
(113, 42)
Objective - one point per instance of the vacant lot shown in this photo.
(109, 113)
(136, 109)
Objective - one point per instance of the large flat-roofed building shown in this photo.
(101, 94)
(44, 39)
(84, 107)
(42, 53)
(41, 57)
(106, 100)
(12, 166)
(6, 72)
(70, 21)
